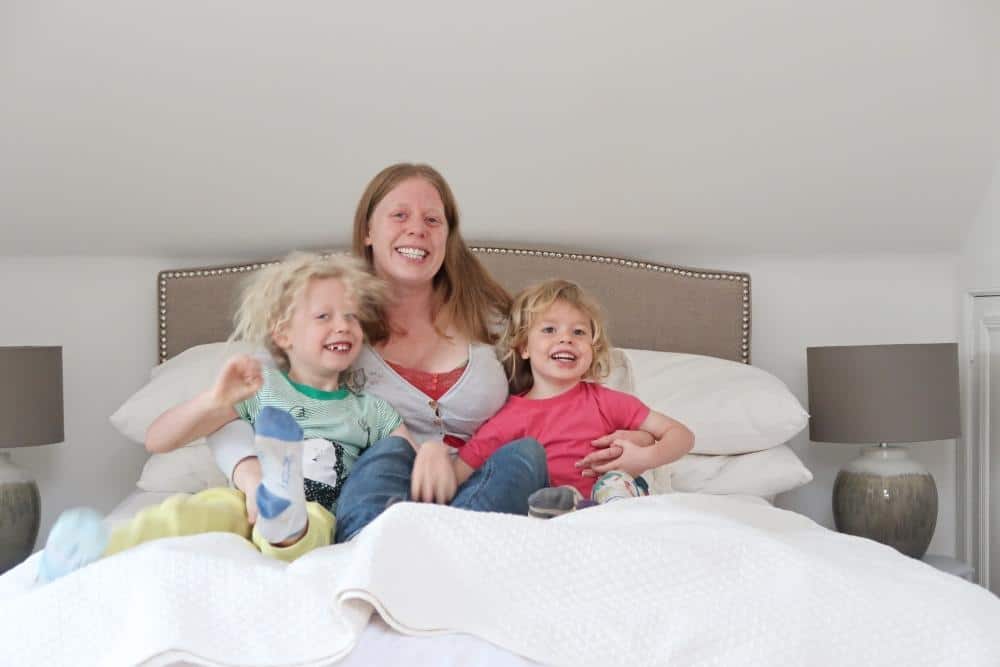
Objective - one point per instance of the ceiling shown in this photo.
(242, 128)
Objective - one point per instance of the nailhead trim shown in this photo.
(166, 276)
(647, 266)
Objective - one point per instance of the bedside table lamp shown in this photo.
(884, 394)
(31, 413)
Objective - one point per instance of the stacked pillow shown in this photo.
(191, 468)
(741, 416)
(732, 408)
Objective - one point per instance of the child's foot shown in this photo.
(617, 485)
(553, 501)
(281, 500)
(77, 538)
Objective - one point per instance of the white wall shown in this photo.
(102, 311)
(981, 247)
(981, 251)
(800, 302)
(980, 271)
(742, 120)
(980, 258)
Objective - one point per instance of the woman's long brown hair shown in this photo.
(467, 297)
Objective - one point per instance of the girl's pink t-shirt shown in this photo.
(565, 425)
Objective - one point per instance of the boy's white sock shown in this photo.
(281, 499)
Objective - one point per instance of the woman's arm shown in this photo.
(608, 450)
(644, 438)
(231, 446)
(246, 477)
(672, 440)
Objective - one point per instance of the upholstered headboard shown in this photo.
(649, 306)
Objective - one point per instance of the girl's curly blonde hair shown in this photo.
(527, 307)
(269, 297)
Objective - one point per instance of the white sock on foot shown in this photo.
(281, 499)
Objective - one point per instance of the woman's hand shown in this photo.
(609, 449)
(239, 379)
(633, 459)
(433, 479)
(642, 438)
(246, 478)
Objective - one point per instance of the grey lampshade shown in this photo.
(31, 396)
(883, 393)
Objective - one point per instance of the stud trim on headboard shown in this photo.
(648, 266)
(744, 352)
(166, 276)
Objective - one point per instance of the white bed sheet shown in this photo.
(681, 579)
(379, 644)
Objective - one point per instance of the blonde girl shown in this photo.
(555, 349)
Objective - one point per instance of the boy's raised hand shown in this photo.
(239, 379)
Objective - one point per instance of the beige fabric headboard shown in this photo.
(649, 306)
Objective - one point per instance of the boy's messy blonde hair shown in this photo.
(268, 300)
(527, 307)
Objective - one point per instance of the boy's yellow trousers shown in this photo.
(218, 509)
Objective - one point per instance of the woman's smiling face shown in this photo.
(408, 233)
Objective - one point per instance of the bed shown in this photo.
(706, 571)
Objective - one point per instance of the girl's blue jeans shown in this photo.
(382, 474)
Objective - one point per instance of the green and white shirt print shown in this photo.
(337, 426)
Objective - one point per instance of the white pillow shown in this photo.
(188, 469)
(621, 375)
(763, 474)
(172, 383)
(732, 408)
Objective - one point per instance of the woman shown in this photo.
(431, 356)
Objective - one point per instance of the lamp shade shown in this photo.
(883, 393)
(31, 396)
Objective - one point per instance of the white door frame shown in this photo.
(972, 455)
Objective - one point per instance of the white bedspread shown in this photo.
(682, 579)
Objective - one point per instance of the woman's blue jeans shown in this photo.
(382, 474)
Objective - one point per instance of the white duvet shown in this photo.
(681, 579)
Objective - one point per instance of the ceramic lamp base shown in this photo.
(888, 497)
(20, 512)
